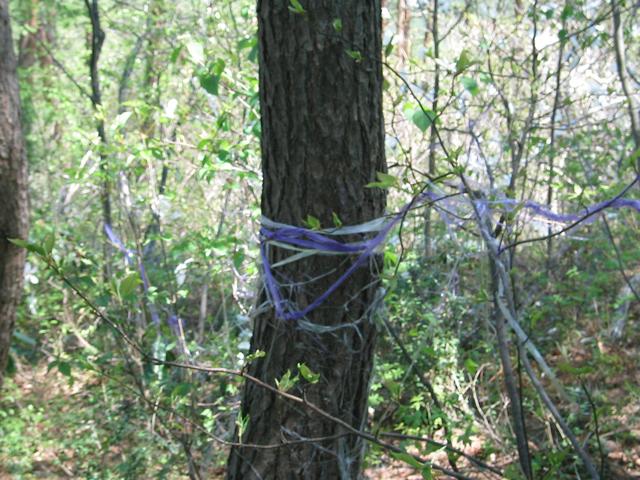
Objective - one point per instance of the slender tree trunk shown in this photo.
(403, 31)
(552, 151)
(28, 44)
(433, 133)
(97, 40)
(621, 64)
(14, 208)
(511, 384)
(41, 33)
(322, 142)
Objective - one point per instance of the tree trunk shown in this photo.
(403, 31)
(621, 64)
(433, 132)
(322, 142)
(97, 40)
(14, 209)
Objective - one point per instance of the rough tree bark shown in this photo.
(14, 209)
(322, 142)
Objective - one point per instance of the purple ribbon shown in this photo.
(588, 216)
(306, 238)
(313, 240)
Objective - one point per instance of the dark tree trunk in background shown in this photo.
(13, 188)
(322, 142)
(97, 40)
(41, 34)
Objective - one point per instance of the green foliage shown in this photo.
(296, 7)
(183, 164)
(254, 356)
(355, 54)
(308, 374)
(471, 85)
(287, 381)
(464, 61)
(210, 78)
(312, 222)
(385, 181)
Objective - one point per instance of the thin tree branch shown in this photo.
(242, 374)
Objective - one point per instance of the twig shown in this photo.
(508, 311)
(63, 69)
(417, 438)
(580, 220)
(594, 412)
(241, 374)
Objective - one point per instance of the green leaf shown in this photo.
(470, 85)
(390, 259)
(287, 382)
(209, 419)
(238, 258)
(175, 54)
(563, 35)
(19, 242)
(567, 12)
(336, 220)
(337, 24)
(64, 368)
(210, 78)
(633, 157)
(128, 284)
(408, 459)
(296, 7)
(423, 118)
(384, 181)
(255, 355)
(431, 448)
(312, 222)
(471, 366)
(242, 422)
(308, 374)
(31, 247)
(248, 42)
(464, 61)
(427, 474)
(566, 367)
(209, 82)
(355, 54)
(453, 155)
(48, 243)
(388, 48)
(218, 67)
